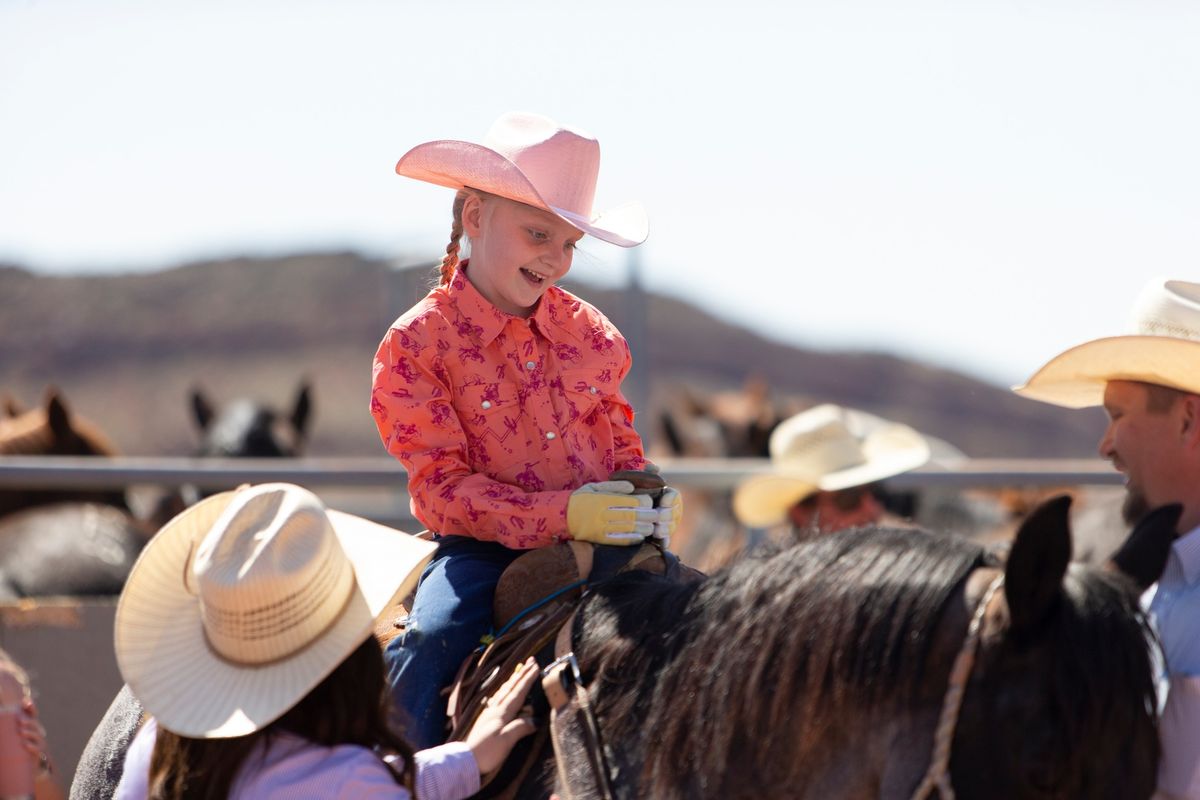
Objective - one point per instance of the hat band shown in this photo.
(1159, 327)
(282, 627)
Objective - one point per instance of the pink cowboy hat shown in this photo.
(533, 160)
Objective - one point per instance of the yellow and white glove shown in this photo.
(608, 512)
(670, 511)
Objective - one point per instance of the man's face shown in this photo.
(829, 512)
(1146, 446)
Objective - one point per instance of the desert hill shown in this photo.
(126, 349)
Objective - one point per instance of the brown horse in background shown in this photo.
(62, 541)
(52, 430)
(723, 425)
(77, 541)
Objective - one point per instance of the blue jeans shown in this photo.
(451, 613)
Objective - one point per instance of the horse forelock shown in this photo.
(1102, 677)
(767, 656)
(1067, 709)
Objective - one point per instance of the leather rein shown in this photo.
(938, 775)
(572, 717)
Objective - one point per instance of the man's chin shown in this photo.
(1135, 506)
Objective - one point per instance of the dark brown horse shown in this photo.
(820, 671)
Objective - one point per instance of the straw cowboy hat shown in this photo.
(1162, 347)
(826, 448)
(533, 160)
(247, 600)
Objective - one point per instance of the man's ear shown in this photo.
(1190, 420)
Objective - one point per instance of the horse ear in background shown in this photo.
(63, 540)
(10, 406)
(1037, 563)
(1143, 556)
(52, 430)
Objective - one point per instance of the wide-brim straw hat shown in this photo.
(1162, 346)
(533, 160)
(826, 448)
(244, 602)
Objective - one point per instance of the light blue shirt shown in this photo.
(1175, 606)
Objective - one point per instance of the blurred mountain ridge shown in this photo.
(127, 349)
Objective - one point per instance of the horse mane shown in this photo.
(790, 641)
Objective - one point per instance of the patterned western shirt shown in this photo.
(498, 418)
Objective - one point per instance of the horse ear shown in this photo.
(202, 410)
(11, 407)
(1142, 557)
(58, 416)
(302, 409)
(1037, 563)
(671, 432)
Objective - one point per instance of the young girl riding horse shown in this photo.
(500, 394)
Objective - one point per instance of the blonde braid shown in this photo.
(450, 260)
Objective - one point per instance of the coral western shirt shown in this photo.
(498, 418)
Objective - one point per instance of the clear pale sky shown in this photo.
(974, 184)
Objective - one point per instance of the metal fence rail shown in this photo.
(93, 472)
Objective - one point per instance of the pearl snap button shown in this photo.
(592, 389)
(530, 364)
(486, 404)
(549, 434)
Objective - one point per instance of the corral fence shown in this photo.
(66, 643)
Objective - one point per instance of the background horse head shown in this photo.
(820, 671)
(246, 428)
(52, 430)
(62, 541)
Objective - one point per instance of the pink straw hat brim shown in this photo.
(466, 165)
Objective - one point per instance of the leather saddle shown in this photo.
(536, 595)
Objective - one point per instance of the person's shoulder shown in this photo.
(430, 310)
(571, 310)
(427, 321)
(364, 774)
(295, 767)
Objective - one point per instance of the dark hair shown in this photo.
(345, 708)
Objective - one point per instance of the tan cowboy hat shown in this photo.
(533, 160)
(826, 448)
(247, 600)
(1162, 347)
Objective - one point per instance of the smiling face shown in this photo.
(517, 251)
(1150, 444)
